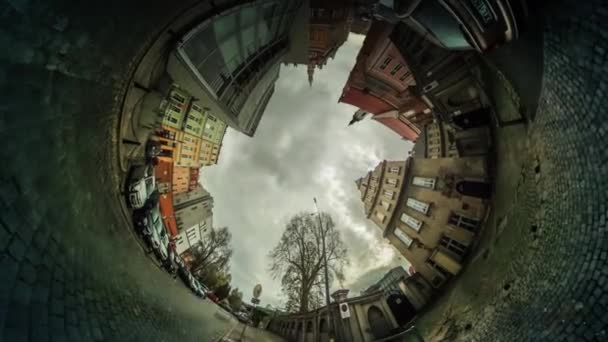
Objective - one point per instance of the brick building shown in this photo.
(429, 209)
(381, 83)
(180, 179)
(329, 26)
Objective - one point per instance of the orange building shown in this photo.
(193, 181)
(167, 212)
(163, 172)
(181, 179)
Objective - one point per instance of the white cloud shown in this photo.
(302, 149)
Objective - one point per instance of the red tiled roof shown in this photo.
(399, 127)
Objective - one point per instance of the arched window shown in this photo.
(323, 326)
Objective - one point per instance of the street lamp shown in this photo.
(329, 322)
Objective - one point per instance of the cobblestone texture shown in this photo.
(558, 289)
(69, 268)
(70, 271)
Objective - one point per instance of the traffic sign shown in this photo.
(344, 311)
(257, 291)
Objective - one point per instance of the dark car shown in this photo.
(458, 24)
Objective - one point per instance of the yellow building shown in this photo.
(214, 129)
(195, 120)
(176, 107)
(209, 153)
(187, 151)
(429, 209)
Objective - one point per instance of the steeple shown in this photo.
(311, 71)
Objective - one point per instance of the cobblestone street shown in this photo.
(71, 270)
(540, 271)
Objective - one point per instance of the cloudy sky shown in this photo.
(302, 149)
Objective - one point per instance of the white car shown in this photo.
(156, 233)
(141, 186)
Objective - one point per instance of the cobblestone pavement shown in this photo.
(69, 267)
(242, 333)
(544, 277)
(71, 271)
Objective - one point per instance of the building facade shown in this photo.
(181, 179)
(195, 119)
(191, 236)
(446, 80)
(389, 283)
(370, 319)
(440, 140)
(223, 61)
(192, 207)
(429, 209)
(187, 150)
(176, 107)
(329, 27)
(381, 83)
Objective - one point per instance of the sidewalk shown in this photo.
(247, 333)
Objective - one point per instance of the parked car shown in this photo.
(458, 24)
(155, 234)
(196, 287)
(243, 317)
(141, 185)
(171, 264)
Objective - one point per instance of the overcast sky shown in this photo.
(302, 149)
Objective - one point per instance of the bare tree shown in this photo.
(298, 260)
(214, 250)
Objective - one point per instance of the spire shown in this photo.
(311, 71)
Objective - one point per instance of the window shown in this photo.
(424, 182)
(389, 194)
(438, 268)
(463, 222)
(385, 205)
(403, 237)
(404, 76)
(396, 69)
(410, 221)
(172, 119)
(453, 245)
(385, 63)
(380, 216)
(178, 98)
(394, 169)
(418, 205)
(174, 108)
(392, 181)
(188, 127)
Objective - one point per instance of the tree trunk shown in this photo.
(304, 300)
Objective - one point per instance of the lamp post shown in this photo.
(329, 322)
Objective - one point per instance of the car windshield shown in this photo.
(435, 18)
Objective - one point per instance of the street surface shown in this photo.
(71, 269)
(247, 333)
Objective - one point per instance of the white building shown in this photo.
(191, 236)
